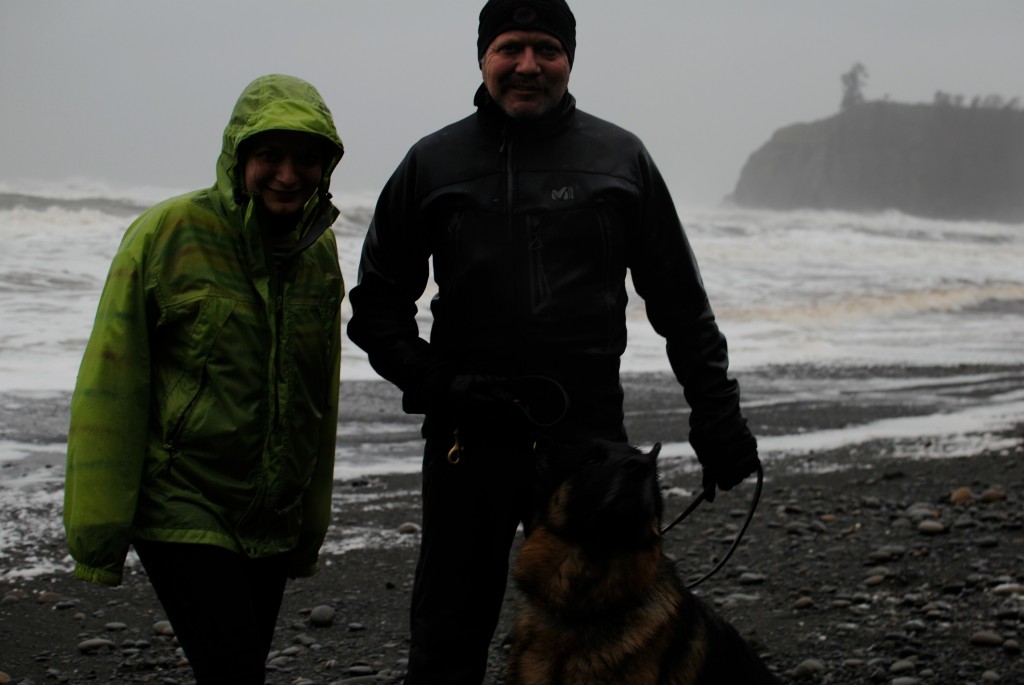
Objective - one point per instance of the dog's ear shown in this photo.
(655, 451)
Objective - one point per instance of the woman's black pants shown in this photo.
(222, 605)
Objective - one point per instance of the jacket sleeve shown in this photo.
(393, 272)
(109, 421)
(666, 276)
(316, 503)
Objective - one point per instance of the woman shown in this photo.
(204, 418)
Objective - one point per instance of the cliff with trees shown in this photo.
(949, 159)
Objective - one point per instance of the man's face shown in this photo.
(283, 169)
(525, 72)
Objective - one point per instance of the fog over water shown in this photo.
(139, 92)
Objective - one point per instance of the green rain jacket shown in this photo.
(206, 405)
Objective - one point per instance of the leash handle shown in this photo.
(739, 536)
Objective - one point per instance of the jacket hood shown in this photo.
(274, 102)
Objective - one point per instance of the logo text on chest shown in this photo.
(563, 193)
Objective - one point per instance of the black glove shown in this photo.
(728, 466)
(459, 396)
(456, 395)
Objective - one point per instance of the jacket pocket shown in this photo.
(185, 395)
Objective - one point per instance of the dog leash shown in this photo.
(739, 536)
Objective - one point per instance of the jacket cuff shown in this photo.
(97, 575)
(428, 390)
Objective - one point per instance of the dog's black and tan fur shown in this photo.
(601, 605)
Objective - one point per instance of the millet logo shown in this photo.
(563, 193)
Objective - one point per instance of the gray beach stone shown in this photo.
(808, 668)
(903, 666)
(322, 615)
(752, 578)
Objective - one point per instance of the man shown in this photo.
(205, 414)
(532, 212)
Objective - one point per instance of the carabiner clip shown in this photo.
(455, 453)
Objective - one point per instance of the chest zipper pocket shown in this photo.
(540, 287)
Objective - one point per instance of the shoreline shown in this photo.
(835, 580)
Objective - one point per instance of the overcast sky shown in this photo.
(137, 93)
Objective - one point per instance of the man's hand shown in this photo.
(728, 468)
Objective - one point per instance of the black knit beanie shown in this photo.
(549, 16)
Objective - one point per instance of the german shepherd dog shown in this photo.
(599, 602)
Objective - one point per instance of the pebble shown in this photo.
(987, 638)
(887, 553)
(962, 496)
(931, 527)
(902, 666)
(95, 645)
(905, 680)
(752, 578)
(803, 603)
(920, 511)
(115, 626)
(991, 677)
(49, 597)
(995, 494)
(361, 669)
(322, 616)
(1011, 647)
(1008, 589)
(4, 678)
(163, 628)
(409, 528)
(808, 668)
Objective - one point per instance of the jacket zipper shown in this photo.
(516, 274)
(172, 442)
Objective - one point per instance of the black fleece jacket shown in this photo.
(532, 226)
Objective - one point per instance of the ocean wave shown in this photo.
(108, 205)
(356, 211)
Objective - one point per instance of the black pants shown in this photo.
(223, 606)
(470, 514)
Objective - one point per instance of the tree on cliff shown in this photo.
(853, 84)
